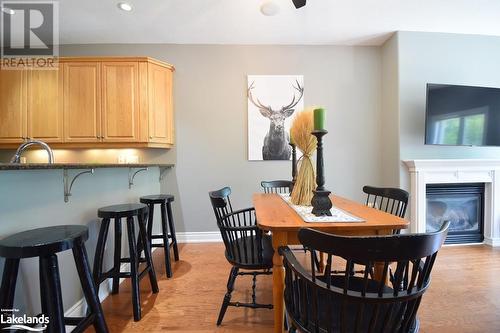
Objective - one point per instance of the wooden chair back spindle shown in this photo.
(277, 186)
(390, 200)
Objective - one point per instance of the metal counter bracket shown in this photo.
(69, 185)
(131, 175)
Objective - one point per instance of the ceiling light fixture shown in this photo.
(9, 11)
(125, 6)
(269, 8)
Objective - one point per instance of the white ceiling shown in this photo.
(346, 22)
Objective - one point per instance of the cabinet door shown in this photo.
(120, 101)
(13, 106)
(160, 104)
(82, 102)
(45, 117)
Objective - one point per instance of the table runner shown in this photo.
(338, 215)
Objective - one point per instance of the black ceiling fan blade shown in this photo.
(299, 3)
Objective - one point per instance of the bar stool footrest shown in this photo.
(127, 260)
(81, 323)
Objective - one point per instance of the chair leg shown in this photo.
(227, 298)
(134, 265)
(149, 226)
(99, 252)
(8, 286)
(172, 230)
(117, 256)
(166, 245)
(88, 286)
(151, 212)
(54, 305)
(147, 253)
(44, 295)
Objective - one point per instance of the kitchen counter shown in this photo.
(47, 166)
(38, 195)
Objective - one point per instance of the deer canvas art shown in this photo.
(272, 102)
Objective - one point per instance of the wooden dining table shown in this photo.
(275, 215)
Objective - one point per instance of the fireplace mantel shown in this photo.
(443, 171)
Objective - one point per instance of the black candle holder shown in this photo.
(294, 163)
(321, 199)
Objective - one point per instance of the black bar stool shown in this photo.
(45, 243)
(165, 202)
(117, 212)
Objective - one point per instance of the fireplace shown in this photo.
(456, 171)
(462, 204)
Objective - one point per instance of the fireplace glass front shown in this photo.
(462, 205)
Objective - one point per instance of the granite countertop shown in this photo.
(47, 166)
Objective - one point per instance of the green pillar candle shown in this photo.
(319, 119)
(291, 139)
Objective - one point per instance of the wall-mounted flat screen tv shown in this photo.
(462, 115)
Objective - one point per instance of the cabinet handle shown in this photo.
(151, 137)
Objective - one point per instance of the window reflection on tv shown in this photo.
(462, 115)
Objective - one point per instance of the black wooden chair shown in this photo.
(359, 303)
(247, 247)
(277, 186)
(391, 200)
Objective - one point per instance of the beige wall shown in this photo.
(390, 113)
(440, 58)
(211, 117)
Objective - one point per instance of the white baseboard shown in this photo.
(199, 237)
(463, 244)
(492, 241)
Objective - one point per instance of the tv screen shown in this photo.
(462, 115)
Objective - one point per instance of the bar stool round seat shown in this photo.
(156, 198)
(45, 243)
(122, 210)
(167, 226)
(115, 213)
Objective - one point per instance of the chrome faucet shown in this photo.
(17, 156)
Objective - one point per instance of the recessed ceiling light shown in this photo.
(269, 8)
(125, 6)
(9, 11)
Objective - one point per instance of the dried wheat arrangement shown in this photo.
(300, 132)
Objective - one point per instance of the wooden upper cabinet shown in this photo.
(89, 102)
(45, 118)
(13, 106)
(120, 107)
(160, 110)
(82, 101)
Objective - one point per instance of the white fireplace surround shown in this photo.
(445, 171)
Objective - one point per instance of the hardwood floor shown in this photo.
(464, 295)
